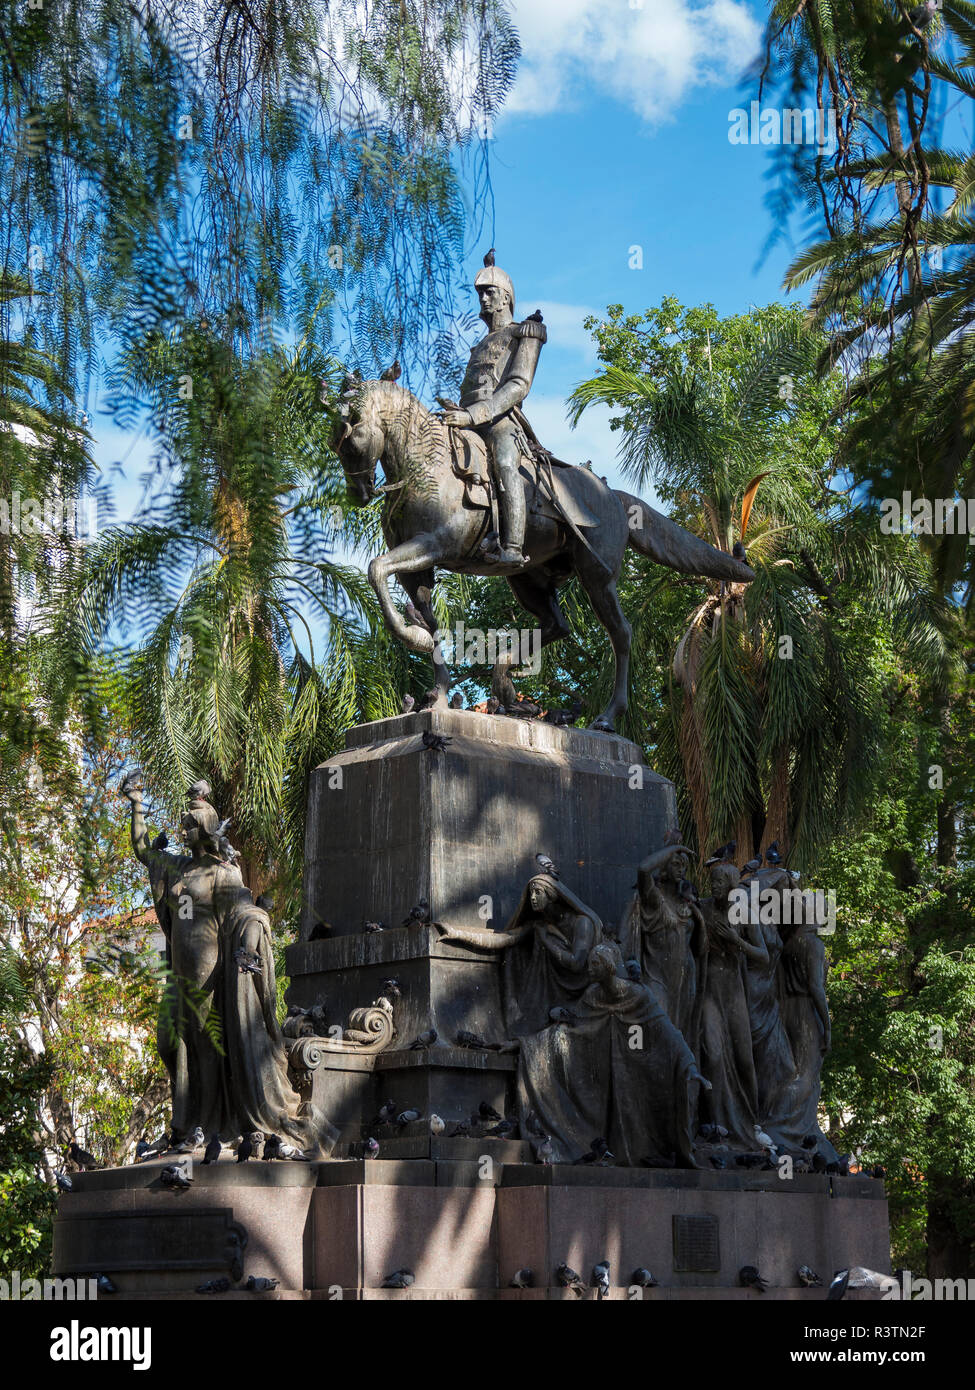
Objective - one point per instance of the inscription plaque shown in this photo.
(696, 1245)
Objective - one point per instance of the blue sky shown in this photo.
(615, 135)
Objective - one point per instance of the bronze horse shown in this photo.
(428, 520)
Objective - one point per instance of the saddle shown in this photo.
(539, 471)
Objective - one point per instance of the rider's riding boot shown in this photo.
(512, 509)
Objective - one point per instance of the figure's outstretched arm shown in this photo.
(131, 789)
(474, 936)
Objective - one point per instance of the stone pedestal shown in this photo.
(337, 1229)
(391, 822)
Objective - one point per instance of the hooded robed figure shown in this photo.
(218, 1033)
(621, 1070)
(546, 944)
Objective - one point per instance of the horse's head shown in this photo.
(358, 438)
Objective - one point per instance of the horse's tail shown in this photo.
(660, 539)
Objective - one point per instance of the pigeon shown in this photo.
(599, 1280)
(489, 257)
(838, 1287)
(212, 1152)
(749, 1278)
(320, 931)
(418, 914)
(922, 15)
(562, 718)
(457, 701)
(475, 1042)
(722, 854)
(461, 1130)
(272, 1147)
(772, 855)
(387, 1113)
(399, 1279)
(819, 1164)
(437, 1126)
(569, 1279)
(248, 962)
(738, 551)
(598, 1152)
(859, 1277)
(808, 1278)
(425, 1039)
(191, 1142)
(391, 990)
(561, 1015)
(143, 1150)
(717, 1162)
(200, 791)
(392, 373)
(65, 1183)
(522, 1279)
(214, 1286)
(429, 698)
(105, 1285)
(260, 1283)
(878, 1171)
(436, 743)
(249, 1145)
(642, 1279)
(406, 704)
(161, 841)
(370, 1148)
(546, 865)
(81, 1156)
(493, 705)
(811, 1141)
(407, 1117)
(488, 1112)
(634, 969)
(503, 1129)
(713, 1134)
(371, 928)
(752, 867)
(175, 1177)
(524, 709)
(543, 1150)
(766, 1140)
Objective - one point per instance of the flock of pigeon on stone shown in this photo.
(527, 710)
(600, 1281)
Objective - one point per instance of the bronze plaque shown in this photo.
(696, 1245)
(197, 1239)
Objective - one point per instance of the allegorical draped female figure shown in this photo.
(664, 933)
(546, 944)
(218, 1033)
(619, 1070)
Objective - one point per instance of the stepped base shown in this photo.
(335, 1230)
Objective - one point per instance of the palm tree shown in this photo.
(251, 646)
(771, 711)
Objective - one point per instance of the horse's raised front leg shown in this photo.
(420, 553)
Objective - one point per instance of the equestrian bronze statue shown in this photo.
(470, 489)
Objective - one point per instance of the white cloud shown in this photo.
(564, 324)
(648, 57)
